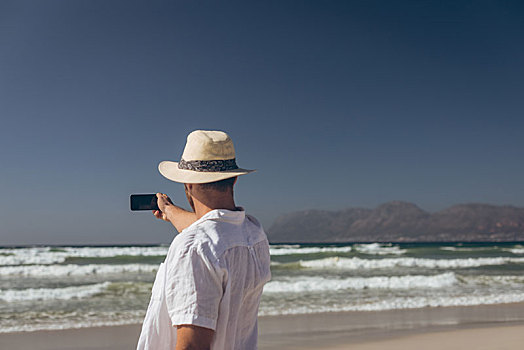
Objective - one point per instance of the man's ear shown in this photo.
(234, 182)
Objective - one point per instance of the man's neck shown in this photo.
(202, 209)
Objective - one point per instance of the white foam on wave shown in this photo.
(74, 270)
(379, 249)
(49, 255)
(289, 250)
(66, 325)
(456, 249)
(31, 294)
(468, 249)
(358, 263)
(518, 249)
(414, 302)
(492, 280)
(371, 249)
(35, 321)
(302, 284)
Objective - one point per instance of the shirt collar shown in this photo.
(226, 214)
(223, 215)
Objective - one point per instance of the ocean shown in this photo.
(54, 287)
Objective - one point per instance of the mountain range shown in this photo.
(401, 222)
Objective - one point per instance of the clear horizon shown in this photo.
(338, 104)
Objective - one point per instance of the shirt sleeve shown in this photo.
(193, 289)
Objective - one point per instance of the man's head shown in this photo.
(217, 191)
(208, 157)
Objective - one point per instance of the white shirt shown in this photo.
(212, 277)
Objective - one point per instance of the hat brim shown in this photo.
(170, 171)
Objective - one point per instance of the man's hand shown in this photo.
(180, 218)
(163, 202)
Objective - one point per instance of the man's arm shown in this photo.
(189, 337)
(180, 218)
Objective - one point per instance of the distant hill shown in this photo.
(401, 222)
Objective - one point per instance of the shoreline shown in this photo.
(325, 330)
(480, 337)
(312, 331)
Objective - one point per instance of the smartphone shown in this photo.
(143, 202)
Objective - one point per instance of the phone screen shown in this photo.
(143, 202)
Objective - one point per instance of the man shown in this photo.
(207, 292)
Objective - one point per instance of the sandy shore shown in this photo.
(479, 327)
(485, 338)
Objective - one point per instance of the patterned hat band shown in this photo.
(208, 165)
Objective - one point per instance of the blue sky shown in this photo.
(336, 103)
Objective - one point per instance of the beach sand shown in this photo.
(477, 327)
(485, 338)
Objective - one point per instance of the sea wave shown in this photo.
(371, 249)
(37, 321)
(73, 320)
(492, 280)
(358, 263)
(74, 292)
(302, 284)
(468, 249)
(74, 270)
(291, 250)
(412, 302)
(518, 249)
(56, 255)
(379, 249)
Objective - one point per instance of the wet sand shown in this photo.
(485, 338)
(478, 327)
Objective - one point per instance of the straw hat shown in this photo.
(208, 156)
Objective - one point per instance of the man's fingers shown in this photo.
(163, 200)
(162, 196)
